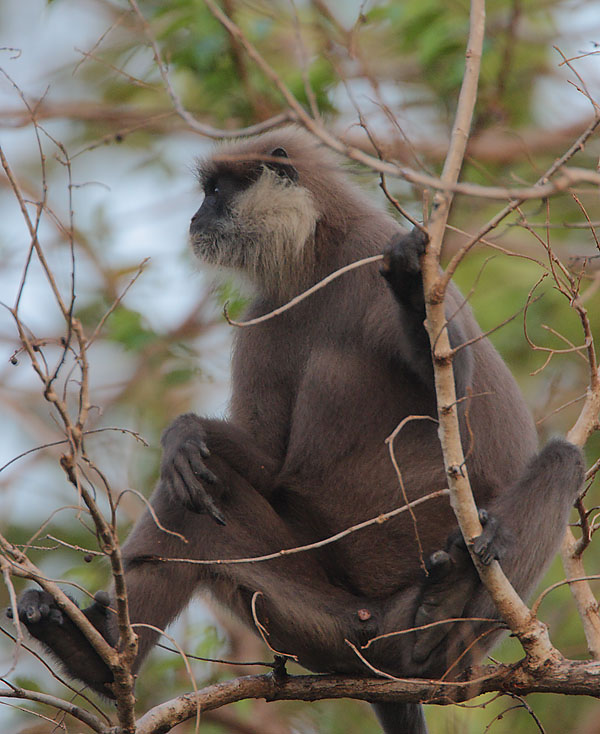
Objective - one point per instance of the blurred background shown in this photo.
(117, 166)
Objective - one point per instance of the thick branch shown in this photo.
(77, 712)
(565, 676)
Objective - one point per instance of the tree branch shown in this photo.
(532, 633)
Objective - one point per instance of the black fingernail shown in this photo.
(218, 517)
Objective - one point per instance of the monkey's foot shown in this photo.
(451, 579)
(445, 594)
(45, 621)
(489, 546)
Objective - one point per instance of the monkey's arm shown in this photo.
(189, 441)
(47, 623)
(402, 270)
(239, 449)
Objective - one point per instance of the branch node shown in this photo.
(456, 470)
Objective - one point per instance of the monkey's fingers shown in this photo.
(200, 469)
(188, 484)
(403, 253)
(205, 474)
(487, 546)
(214, 511)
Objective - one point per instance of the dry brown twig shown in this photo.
(74, 429)
(296, 113)
(516, 613)
(378, 520)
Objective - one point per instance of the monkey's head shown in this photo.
(264, 199)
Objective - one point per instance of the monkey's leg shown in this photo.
(532, 516)
(529, 519)
(302, 613)
(290, 596)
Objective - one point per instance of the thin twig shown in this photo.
(305, 294)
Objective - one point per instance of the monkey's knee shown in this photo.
(562, 462)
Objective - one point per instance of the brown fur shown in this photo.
(303, 455)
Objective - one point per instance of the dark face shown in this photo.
(221, 187)
(220, 190)
(221, 231)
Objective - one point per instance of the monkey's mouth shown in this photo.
(220, 245)
(205, 245)
(211, 242)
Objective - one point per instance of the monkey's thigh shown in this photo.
(287, 597)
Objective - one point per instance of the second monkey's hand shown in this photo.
(183, 469)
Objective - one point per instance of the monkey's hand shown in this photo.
(46, 622)
(401, 267)
(183, 470)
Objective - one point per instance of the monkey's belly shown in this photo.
(379, 560)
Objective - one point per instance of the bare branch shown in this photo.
(508, 602)
(77, 712)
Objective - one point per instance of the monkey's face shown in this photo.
(213, 227)
(255, 218)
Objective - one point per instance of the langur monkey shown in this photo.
(302, 454)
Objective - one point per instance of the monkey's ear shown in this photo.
(285, 170)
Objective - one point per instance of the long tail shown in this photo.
(401, 718)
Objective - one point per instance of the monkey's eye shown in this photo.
(211, 188)
(279, 153)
